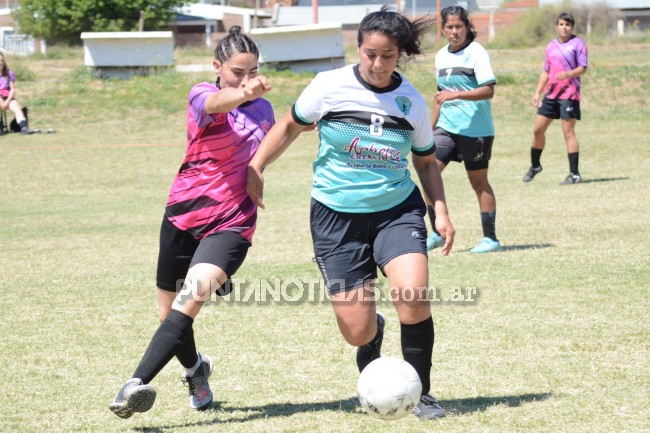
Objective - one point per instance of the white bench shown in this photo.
(348, 15)
(126, 53)
(310, 47)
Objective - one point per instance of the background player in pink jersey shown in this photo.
(566, 61)
(209, 218)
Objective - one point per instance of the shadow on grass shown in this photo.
(249, 413)
(481, 404)
(605, 179)
(525, 247)
(350, 405)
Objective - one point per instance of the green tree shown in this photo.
(62, 21)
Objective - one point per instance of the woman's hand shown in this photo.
(256, 87)
(562, 76)
(535, 101)
(255, 185)
(447, 232)
(445, 95)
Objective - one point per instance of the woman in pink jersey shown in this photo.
(566, 61)
(209, 218)
(8, 95)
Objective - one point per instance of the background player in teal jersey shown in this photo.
(366, 211)
(566, 61)
(209, 219)
(462, 118)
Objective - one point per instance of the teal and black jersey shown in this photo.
(467, 69)
(366, 135)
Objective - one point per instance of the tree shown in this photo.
(62, 21)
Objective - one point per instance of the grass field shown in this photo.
(556, 340)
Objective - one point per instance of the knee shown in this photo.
(482, 187)
(358, 334)
(359, 338)
(568, 133)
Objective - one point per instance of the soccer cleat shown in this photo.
(133, 397)
(434, 240)
(371, 351)
(532, 172)
(428, 408)
(571, 179)
(199, 388)
(487, 245)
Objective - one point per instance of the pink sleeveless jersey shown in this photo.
(209, 191)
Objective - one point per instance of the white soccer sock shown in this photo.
(192, 370)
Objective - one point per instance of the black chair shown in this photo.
(4, 125)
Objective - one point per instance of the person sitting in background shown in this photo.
(8, 94)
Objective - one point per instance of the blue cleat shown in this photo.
(434, 240)
(486, 245)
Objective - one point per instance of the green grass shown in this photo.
(556, 342)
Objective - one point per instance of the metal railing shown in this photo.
(22, 45)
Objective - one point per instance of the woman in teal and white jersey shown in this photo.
(366, 211)
(462, 118)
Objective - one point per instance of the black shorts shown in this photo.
(179, 251)
(349, 246)
(559, 108)
(475, 152)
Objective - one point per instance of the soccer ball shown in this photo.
(389, 388)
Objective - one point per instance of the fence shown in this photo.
(22, 45)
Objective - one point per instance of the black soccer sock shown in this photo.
(535, 155)
(163, 345)
(432, 217)
(417, 349)
(489, 223)
(186, 352)
(573, 162)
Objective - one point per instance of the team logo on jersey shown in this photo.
(265, 125)
(404, 104)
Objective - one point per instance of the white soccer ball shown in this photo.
(389, 388)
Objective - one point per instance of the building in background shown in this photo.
(634, 14)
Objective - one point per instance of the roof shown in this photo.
(618, 4)
(215, 12)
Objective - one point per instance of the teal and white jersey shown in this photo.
(466, 69)
(366, 135)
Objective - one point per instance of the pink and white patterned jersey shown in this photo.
(209, 191)
(564, 57)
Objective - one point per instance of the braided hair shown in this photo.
(235, 42)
